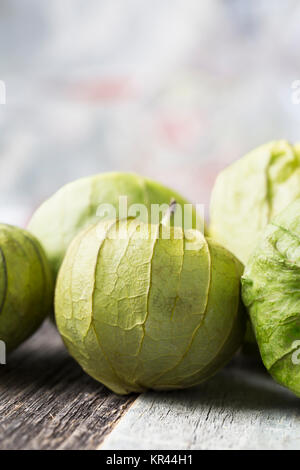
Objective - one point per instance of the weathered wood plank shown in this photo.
(47, 402)
(240, 408)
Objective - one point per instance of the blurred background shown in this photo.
(172, 89)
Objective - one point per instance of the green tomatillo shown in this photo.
(26, 286)
(271, 293)
(249, 193)
(89, 200)
(140, 308)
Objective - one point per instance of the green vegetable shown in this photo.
(146, 311)
(74, 207)
(26, 287)
(250, 192)
(271, 292)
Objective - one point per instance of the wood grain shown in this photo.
(47, 402)
(240, 408)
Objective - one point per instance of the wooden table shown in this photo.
(47, 402)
